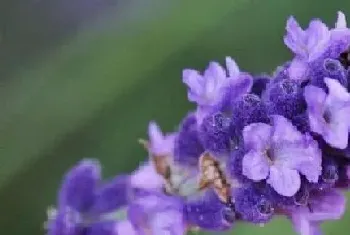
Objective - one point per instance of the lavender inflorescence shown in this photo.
(256, 147)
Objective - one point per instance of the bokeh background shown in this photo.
(82, 78)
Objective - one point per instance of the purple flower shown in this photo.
(285, 98)
(279, 154)
(323, 206)
(253, 205)
(341, 21)
(340, 30)
(146, 177)
(215, 134)
(111, 228)
(188, 146)
(84, 201)
(156, 213)
(160, 144)
(125, 227)
(329, 115)
(209, 213)
(215, 85)
(206, 89)
(307, 44)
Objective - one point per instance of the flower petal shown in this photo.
(125, 227)
(160, 144)
(308, 45)
(327, 205)
(304, 156)
(232, 67)
(63, 224)
(103, 228)
(298, 69)
(315, 98)
(257, 136)
(294, 39)
(167, 223)
(305, 227)
(154, 132)
(255, 165)
(318, 39)
(78, 189)
(341, 21)
(336, 91)
(284, 181)
(338, 106)
(283, 130)
(112, 195)
(195, 84)
(146, 177)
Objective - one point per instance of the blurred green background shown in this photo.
(83, 78)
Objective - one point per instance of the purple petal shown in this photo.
(308, 44)
(327, 205)
(62, 224)
(214, 74)
(167, 223)
(323, 206)
(303, 156)
(294, 39)
(195, 83)
(298, 69)
(160, 145)
(240, 85)
(208, 213)
(284, 181)
(318, 39)
(341, 21)
(145, 177)
(255, 165)
(153, 211)
(112, 195)
(315, 98)
(232, 67)
(336, 91)
(336, 106)
(283, 130)
(78, 189)
(207, 89)
(103, 228)
(257, 136)
(305, 227)
(155, 134)
(125, 227)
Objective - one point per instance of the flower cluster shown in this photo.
(255, 147)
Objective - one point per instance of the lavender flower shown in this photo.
(307, 44)
(154, 213)
(279, 154)
(215, 88)
(208, 213)
(278, 145)
(160, 145)
(323, 206)
(253, 205)
(329, 115)
(146, 177)
(85, 206)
